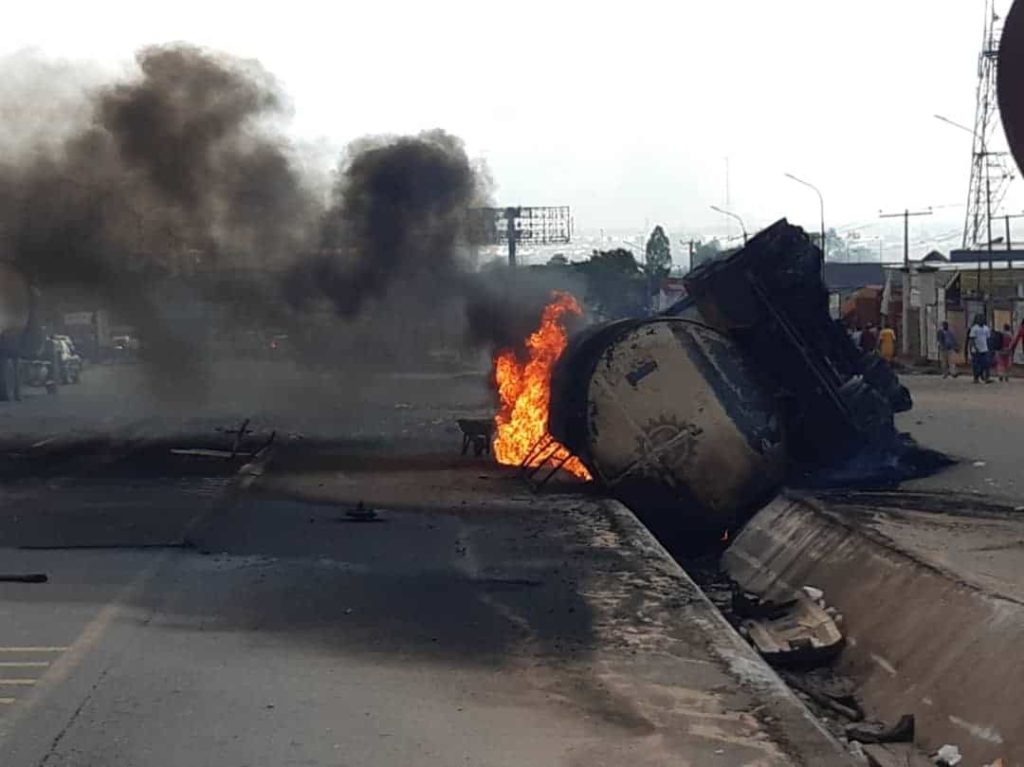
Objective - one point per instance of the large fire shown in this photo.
(525, 391)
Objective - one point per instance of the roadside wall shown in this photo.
(919, 641)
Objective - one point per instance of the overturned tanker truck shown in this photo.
(697, 417)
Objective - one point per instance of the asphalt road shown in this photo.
(200, 612)
(980, 425)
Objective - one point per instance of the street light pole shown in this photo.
(905, 320)
(732, 215)
(821, 207)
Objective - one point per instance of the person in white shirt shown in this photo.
(977, 346)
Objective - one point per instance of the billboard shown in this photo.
(547, 225)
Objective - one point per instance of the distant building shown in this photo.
(844, 278)
(954, 290)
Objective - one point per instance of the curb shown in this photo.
(800, 727)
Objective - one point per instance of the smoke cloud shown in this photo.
(173, 198)
(399, 210)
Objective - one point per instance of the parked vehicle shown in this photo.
(20, 334)
(69, 361)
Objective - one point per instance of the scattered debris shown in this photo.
(202, 452)
(477, 432)
(895, 755)
(875, 732)
(948, 756)
(26, 578)
(235, 450)
(90, 546)
(361, 513)
(845, 706)
(816, 594)
(803, 635)
(978, 464)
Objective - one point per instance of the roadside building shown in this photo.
(855, 291)
(953, 290)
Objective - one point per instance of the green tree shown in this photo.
(705, 251)
(835, 246)
(615, 285)
(658, 254)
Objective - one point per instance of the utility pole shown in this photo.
(1009, 248)
(511, 214)
(690, 244)
(905, 320)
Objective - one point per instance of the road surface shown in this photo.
(208, 612)
(980, 425)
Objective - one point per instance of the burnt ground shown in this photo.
(205, 611)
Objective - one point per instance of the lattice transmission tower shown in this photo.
(991, 169)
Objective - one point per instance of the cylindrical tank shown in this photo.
(667, 415)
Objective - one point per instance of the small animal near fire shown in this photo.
(524, 386)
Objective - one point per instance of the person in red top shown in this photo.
(1017, 339)
(1004, 353)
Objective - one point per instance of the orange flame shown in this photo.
(525, 391)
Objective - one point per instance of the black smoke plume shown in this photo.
(399, 213)
(173, 199)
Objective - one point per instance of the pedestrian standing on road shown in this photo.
(868, 339)
(1001, 347)
(1017, 339)
(887, 343)
(947, 347)
(977, 348)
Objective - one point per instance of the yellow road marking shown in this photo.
(33, 649)
(6, 700)
(24, 663)
(21, 682)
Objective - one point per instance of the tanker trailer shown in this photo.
(668, 416)
(697, 417)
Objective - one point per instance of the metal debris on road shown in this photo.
(876, 732)
(476, 433)
(26, 578)
(799, 633)
(361, 513)
(235, 450)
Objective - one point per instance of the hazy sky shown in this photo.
(625, 111)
